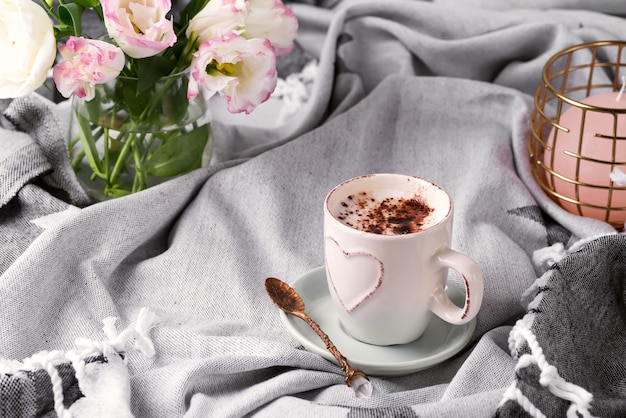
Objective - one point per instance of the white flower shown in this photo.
(272, 20)
(27, 47)
(267, 19)
(218, 18)
(140, 27)
(243, 71)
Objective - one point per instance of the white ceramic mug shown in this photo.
(387, 267)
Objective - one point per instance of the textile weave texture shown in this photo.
(440, 90)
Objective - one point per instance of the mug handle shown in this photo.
(442, 306)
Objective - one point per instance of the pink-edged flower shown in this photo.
(243, 71)
(139, 27)
(218, 18)
(269, 19)
(272, 20)
(86, 63)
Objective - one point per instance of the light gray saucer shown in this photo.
(440, 341)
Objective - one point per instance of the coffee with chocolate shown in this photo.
(386, 216)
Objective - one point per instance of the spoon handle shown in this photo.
(351, 373)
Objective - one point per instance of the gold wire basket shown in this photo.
(577, 141)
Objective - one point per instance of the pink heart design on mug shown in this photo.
(355, 276)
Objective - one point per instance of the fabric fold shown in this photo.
(47, 125)
(433, 89)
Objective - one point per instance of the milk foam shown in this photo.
(386, 212)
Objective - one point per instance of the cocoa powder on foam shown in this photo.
(390, 216)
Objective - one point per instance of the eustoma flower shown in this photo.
(140, 27)
(218, 18)
(243, 71)
(86, 63)
(268, 19)
(27, 47)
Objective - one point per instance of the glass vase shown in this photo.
(138, 133)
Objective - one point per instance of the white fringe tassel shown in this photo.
(549, 377)
(548, 256)
(114, 345)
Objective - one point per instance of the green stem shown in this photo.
(76, 138)
(156, 98)
(138, 133)
(106, 153)
(140, 182)
(50, 10)
(120, 159)
(88, 142)
(78, 158)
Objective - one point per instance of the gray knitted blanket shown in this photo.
(153, 305)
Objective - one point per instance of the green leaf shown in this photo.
(94, 112)
(70, 15)
(136, 103)
(116, 191)
(174, 107)
(179, 155)
(62, 31)
(192, 9)
(89, 144)
(87, 3)
(150, 70)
